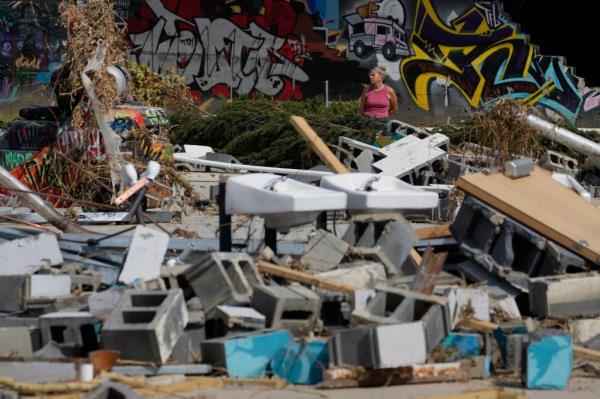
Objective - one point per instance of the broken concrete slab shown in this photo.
(566, 295)
(359, 274)
(324, 251)
(294, 307)
(245, 355)
(39, 372)
(27, 255)
(145, 255)
(146, 325)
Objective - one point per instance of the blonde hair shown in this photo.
(380, 70)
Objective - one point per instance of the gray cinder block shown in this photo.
(503, 245)
(19, 341)
(324, 251)
(146, 325)
(353, 347)
(387, 346)
(14, 293)
(293, 307)
(387, 241)
(75, 330)
(396, 305)
(565, 295)
(219, 278)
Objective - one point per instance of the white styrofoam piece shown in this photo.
(197, 150)
(145, 255)
(49, 286)
(401, 344)
(29, 254)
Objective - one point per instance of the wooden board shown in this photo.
(543, 205)
(317, 144)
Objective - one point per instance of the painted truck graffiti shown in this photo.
(380, 34)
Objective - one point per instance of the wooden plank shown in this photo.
(431, 232)
(318, 146)
(544, 205)
(305, 278)
(415, 374)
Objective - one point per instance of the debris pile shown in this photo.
(409, 256)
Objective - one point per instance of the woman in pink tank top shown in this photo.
(378, 100)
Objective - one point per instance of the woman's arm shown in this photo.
(363, 100)
(393, 100)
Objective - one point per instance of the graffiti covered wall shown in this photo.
(31, 44)
(445, 58)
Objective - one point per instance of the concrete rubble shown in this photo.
(348, 307)
(337, 297)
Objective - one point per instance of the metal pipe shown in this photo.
(249, 168)
(38, 205)
(566, 137)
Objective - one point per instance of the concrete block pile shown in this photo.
(376, 300)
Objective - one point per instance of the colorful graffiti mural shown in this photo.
(233, 48)
(10, 159)
(444, 58)
(31, 44)
(484, 57)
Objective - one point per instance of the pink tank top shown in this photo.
(377, 103)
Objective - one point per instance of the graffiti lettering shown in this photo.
(10, 159)
(484, 58)
(216, 52)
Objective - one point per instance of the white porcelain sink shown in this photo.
(282, 201)
(376, 192)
